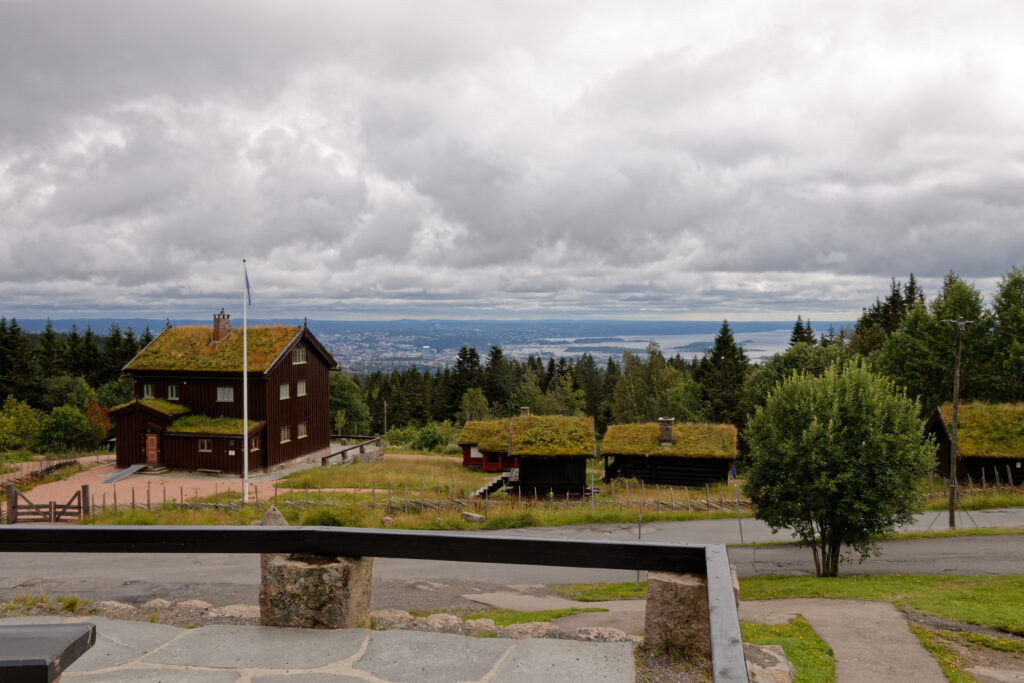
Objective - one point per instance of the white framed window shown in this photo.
(225, 394)
(205, 446)
(284, 390)
(300, 388)
(286, 434)
(172, 392)
(300, 430)
(298, 355)
(254, 443)
(147, 391)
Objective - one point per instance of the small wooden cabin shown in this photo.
(990, 441)
(552, 451)
(493, 455)
(186, 413)
(689, 454)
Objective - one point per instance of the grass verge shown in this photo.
(507, 617)
(811, 656)
(948, 660)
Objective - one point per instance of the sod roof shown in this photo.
(164, 406)
(203, 424)
(689, 440)
(987, 430)
(190, 348)
(494, 433)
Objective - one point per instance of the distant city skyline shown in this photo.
(584, 159)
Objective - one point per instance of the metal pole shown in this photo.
(245, 385)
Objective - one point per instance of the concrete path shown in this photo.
(871, 640)
(140, 652)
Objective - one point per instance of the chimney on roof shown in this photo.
(665, 423)
(221, 325)
(524, 410)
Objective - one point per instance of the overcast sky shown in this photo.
(749, 160)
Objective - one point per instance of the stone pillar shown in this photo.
(313, 591)
(677, 613)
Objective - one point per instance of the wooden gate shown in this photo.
(21, 509)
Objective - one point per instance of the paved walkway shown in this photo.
(139, 652)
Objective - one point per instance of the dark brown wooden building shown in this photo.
(187, 410)
(990, 441)
(689, 454)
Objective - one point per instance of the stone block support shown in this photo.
(313, 591)
(677, 613)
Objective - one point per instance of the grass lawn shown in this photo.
(811, 656)
(414, 474)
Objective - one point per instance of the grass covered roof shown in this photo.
(203, 424)
(689, 440)
(493, 433)
(534, 435)
(163, 405)
(190, 348)
(987, 430)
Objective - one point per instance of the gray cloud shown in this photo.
(395, 159)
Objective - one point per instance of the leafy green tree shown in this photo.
(20, 425)
(473, 406)
(67, 428)
(651, 388)
(803, 357)
(116, 392)
(837, 459)
(62, 390)
(344, 395)
(721, 374)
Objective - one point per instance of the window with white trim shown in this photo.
(301, 431)
(254, 443)
(172, 392)
(286, 434)
(298, 355)
(147, 391)
(225, 394)
(300, 388)
(205, 446)
(284, 390)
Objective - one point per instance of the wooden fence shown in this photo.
(19, 508)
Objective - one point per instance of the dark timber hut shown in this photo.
(187, 409)
(990, 441)
(550, 451)
(663, 452)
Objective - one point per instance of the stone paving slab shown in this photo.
(261, 647)
(422, 657)
(132, 651)
(560, 660)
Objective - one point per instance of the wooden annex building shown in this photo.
(990, 441)
(689, 454)
(187, 409)
(550, 451)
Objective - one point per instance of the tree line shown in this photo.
(59, 387)
(903, 335)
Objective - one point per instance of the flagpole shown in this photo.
(245, 384)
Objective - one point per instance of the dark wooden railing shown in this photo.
(710, 560)
(362, 444)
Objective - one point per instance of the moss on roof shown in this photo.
(988, 430)
(487, 434)
(552, 436)
(189, 348)
(203, 424)
(163, 405)
(689, 440)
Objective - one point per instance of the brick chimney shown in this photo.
(665, 423)
(221, 325)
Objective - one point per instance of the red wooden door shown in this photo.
(152, 449)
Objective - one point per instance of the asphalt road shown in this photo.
(223, 579)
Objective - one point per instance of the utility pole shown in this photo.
(960, 323)
(385, 417)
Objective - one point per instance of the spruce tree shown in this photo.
(721, 374)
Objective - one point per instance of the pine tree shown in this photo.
(721, 374)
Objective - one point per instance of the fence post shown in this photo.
(12, 505)
(53, 511)
(85, 501)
